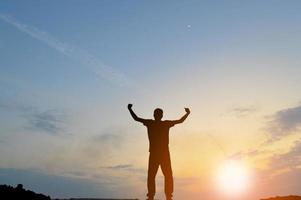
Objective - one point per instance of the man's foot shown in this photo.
(150, 198)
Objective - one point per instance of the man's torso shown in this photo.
(158, 134)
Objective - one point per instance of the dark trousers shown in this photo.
(161, 159)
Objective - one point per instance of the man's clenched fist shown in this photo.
(130, 106)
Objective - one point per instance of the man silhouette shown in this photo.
(158, 135)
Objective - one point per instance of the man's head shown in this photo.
(158, 114)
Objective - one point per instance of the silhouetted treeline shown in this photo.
(8, 192)
(284, 198)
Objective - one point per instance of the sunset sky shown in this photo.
(68, 69)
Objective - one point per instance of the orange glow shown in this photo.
(233, 178)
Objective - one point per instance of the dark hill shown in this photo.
(284, 198)
(93, 199)
(8, 192)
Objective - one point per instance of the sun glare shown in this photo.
(233, 177)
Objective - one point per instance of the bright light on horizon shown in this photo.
(233, 178)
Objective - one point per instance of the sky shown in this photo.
(68, 69)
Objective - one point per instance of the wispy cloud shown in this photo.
(49, 121)
(284, 122)
(284, 166)
(97, 66)
(290, 160)
(243, 111)
(248, 153)
(125, 167)
(104, 145)
(112, 137)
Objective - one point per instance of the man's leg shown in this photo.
(167, 172)
(153, 165)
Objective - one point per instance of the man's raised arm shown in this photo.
(182, 118)
(135, 117)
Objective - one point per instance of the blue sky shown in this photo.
(69, 68)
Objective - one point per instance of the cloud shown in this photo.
(49, 121)
(248, 153)
(114, 138)
(126, 167)
(284, 122)
(287, 183)
(103, 146)
(14, 106)
(97, 66)
(283, 171)
(290, 160)
(108, 136)
(108, 146)
(243, 111)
